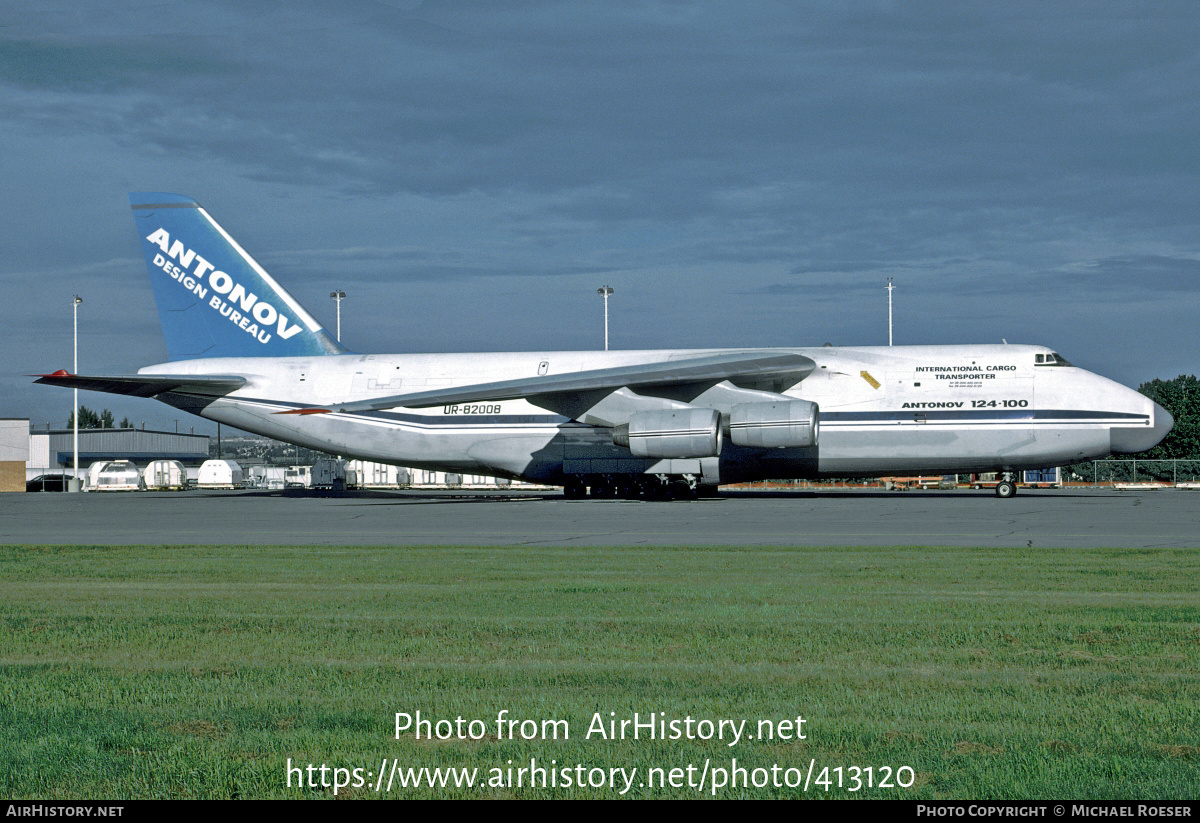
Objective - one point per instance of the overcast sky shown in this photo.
(743, 174)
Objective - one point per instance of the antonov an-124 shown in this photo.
(661, 423)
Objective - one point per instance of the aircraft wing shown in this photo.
(752, 367)
(146, 385)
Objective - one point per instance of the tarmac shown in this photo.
(1084, 518)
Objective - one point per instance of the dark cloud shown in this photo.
(103, 67)
(1172, 273)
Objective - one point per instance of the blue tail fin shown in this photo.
(213, 299)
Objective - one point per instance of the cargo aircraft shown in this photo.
(653, 424)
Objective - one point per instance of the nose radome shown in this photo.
(1162, 424)
(1137, 440)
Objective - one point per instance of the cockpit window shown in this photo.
(1052, 359)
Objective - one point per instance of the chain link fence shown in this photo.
(1129, 470)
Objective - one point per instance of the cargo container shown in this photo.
(92, 476)
(118, 476)
(220, 474)
(297, 477)
(165, 475)
(1043, 478)
(329, 473)
(266, 477)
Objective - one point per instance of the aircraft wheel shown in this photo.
(653, 489)
(681, 489)
(1006, 488)
(601, 488)
(574, 490)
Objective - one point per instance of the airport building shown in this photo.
(52, 452)
(14, 453)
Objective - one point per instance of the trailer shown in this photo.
(1031, 479)
(934, 481)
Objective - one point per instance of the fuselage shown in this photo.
(883, 410)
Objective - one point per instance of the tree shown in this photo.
(1181, 397)
(88, 419)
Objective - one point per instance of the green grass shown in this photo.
(991, 673)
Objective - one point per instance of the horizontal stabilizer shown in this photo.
(146, 385)
(713, 368)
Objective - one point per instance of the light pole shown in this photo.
(605, 291)
(337, 297)
(75, 414)
(889, 288)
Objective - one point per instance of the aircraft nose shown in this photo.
(1161, 422)
(1136, 440)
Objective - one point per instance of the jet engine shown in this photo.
(771, 425)
(673, 433)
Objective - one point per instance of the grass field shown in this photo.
(171, 672)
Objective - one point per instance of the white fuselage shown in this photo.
(883, 410)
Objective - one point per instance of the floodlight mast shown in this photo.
(889, 288)
(338, 296)
(605, 291)
(75, 414)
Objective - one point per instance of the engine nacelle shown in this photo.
(674, 433)
(781, 424)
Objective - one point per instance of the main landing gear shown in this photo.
(637, 487)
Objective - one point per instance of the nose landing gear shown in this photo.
(1007, 487)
